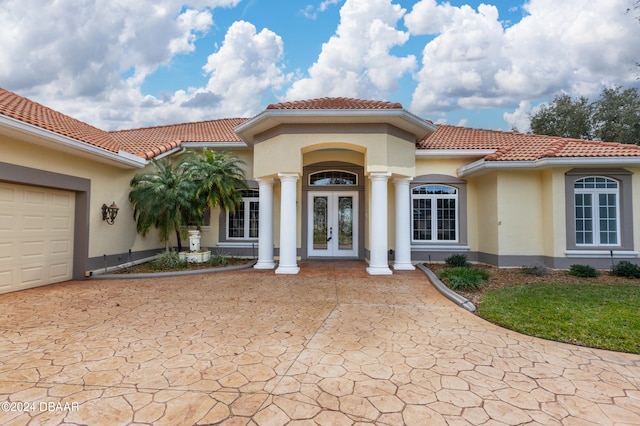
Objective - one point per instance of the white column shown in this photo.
(403, 225)
(265, 225)
(378, 245)
(288, 224)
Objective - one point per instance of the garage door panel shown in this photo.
(34, 196)
(36, 236)
(60, 271)
(61, 224)
(7, 195)
(6, 278)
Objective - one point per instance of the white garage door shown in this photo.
(36, 236)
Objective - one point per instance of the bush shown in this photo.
(218, 260)
(626, 269)
(168, 260)
(463, 278)
(583, 271)
(457, 261)
(537, 270)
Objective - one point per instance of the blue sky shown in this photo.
(123, 64)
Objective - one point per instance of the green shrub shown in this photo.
(218, 260)
(627, 269)
(537, 270)
(456, 261)
(168, 260)
(583, 271)
(463, 278)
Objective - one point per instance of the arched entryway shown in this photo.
(333, 198)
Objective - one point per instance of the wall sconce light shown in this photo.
(109, 213)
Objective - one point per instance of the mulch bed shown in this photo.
(510, 277)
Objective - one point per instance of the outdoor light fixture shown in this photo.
(109, 213)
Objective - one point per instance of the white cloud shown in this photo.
(74, 57)
(312, 12)
(356, 61)
(575, 46)
(520, 119)
(245, 68)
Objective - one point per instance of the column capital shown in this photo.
(265, 180)
(380, 176)
(289, 176)
(402, 179)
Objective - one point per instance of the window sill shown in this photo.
(439, 247)
(238, 244)
(590, 253)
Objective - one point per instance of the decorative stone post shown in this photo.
(288, 224)
(403, 225)
(265, 225)
(378, 235)
(194, 240)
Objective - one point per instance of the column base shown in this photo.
(290, 270)
(379, 270)
(264, 265)
(403, 267)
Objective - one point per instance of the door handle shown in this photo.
(330, 234)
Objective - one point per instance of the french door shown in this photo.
(333, 224)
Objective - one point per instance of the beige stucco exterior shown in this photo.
(108, 184)
(507, 214)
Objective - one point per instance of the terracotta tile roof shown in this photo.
(28, 111)
(152, 141)
(149, 142)
(511, 146)
(336, 103)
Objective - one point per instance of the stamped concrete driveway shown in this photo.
(329, 346)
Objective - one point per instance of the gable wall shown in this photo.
(108, 184)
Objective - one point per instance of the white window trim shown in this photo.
(434, 216)
(595, 192)
(247, 204)
(355, 175)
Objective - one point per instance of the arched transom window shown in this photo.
(435, 213)
(333, 177)
(597, 211)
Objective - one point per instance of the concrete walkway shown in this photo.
(330, 346)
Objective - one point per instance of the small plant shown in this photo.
(218, 260)
(627, 269)
(463, 278)
(168, 260)
(583, 271)
(457, 261)
(537, 270)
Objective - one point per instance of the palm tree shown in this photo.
(219, 177)
(163, 199)
(176, 195)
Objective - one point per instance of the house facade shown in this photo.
(330, 178)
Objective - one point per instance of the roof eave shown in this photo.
(58, 142)
(269, 119)
(483, 166)
(454, 153)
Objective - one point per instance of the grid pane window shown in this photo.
(597, 211)
(243, 222)
(439, 225)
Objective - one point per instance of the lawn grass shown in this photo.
(594, 315)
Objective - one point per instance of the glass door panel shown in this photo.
(345, 222)
(333, 224)
(320, 222)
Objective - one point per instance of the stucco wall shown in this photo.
(281, 150)
(108, 184)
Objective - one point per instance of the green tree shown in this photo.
(564, 117)
(173, 196)
(163, 199)
(616, 116)
(219, 177)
